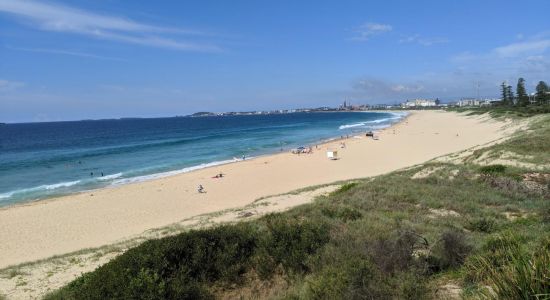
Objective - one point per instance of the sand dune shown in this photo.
(61, 225)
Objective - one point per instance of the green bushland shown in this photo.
(375, 239)
(506, 111)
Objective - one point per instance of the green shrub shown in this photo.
(345, 213)
(355, 279)
(394, 254)
(493, 169)
(523, 277)
(483, 224)
(331, 283)
(451, 250)
(170, 268)
(288, 242)
(496, 253)
(344, 188)
(412, 286)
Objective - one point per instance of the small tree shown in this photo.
(521, 92)
(437, 101)
(542, 93)
(510, 95)
(504, 93)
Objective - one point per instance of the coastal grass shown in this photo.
(505, 111)
(485, 229)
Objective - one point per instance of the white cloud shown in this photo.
(464, 57)
(417, 39)
(523, 48)
(366, 31)
(379, 89)
(54, 17)
(528, 58)
(65, 52)
(400, 88)
(7, 85)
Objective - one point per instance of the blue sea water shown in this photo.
(40, 160)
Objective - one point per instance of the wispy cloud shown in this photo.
(528, 58)
(8, 85)
(60, 18)
(424, 41)
(366, 31)
(65, 52)
(523, 48)
(533, 47)
(377, 89)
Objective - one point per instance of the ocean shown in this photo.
(42, 160)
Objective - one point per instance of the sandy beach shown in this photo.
(57, 226)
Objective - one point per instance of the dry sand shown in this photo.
(34, 280)
(57, 226)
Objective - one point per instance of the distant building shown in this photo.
(418, 103)
(476, 102)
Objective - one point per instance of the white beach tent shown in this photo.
(332, 154)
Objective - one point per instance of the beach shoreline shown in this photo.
(40, 229)
(120, 177)
(176, 172)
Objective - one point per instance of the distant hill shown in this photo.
(202, 114)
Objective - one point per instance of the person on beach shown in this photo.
(200, 189)
(244, 157)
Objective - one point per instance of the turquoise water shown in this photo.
(41, 160)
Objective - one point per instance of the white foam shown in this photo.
(6, 195)
(111, 176)
(396, 116)
(47, 187)
(58, 185)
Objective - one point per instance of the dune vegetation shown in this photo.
(445, 229)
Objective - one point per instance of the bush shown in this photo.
(288, 242)
(483, 224)
(496, 253)
(354, 279)
(493, 169)
(412, 286)
(330, 283)
(170, 268)
(451, 250)
(391, 255)
(344, 188)
(345, 213)
(522, 277)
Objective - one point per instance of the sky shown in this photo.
(91, 59)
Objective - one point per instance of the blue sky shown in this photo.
(111, 58)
